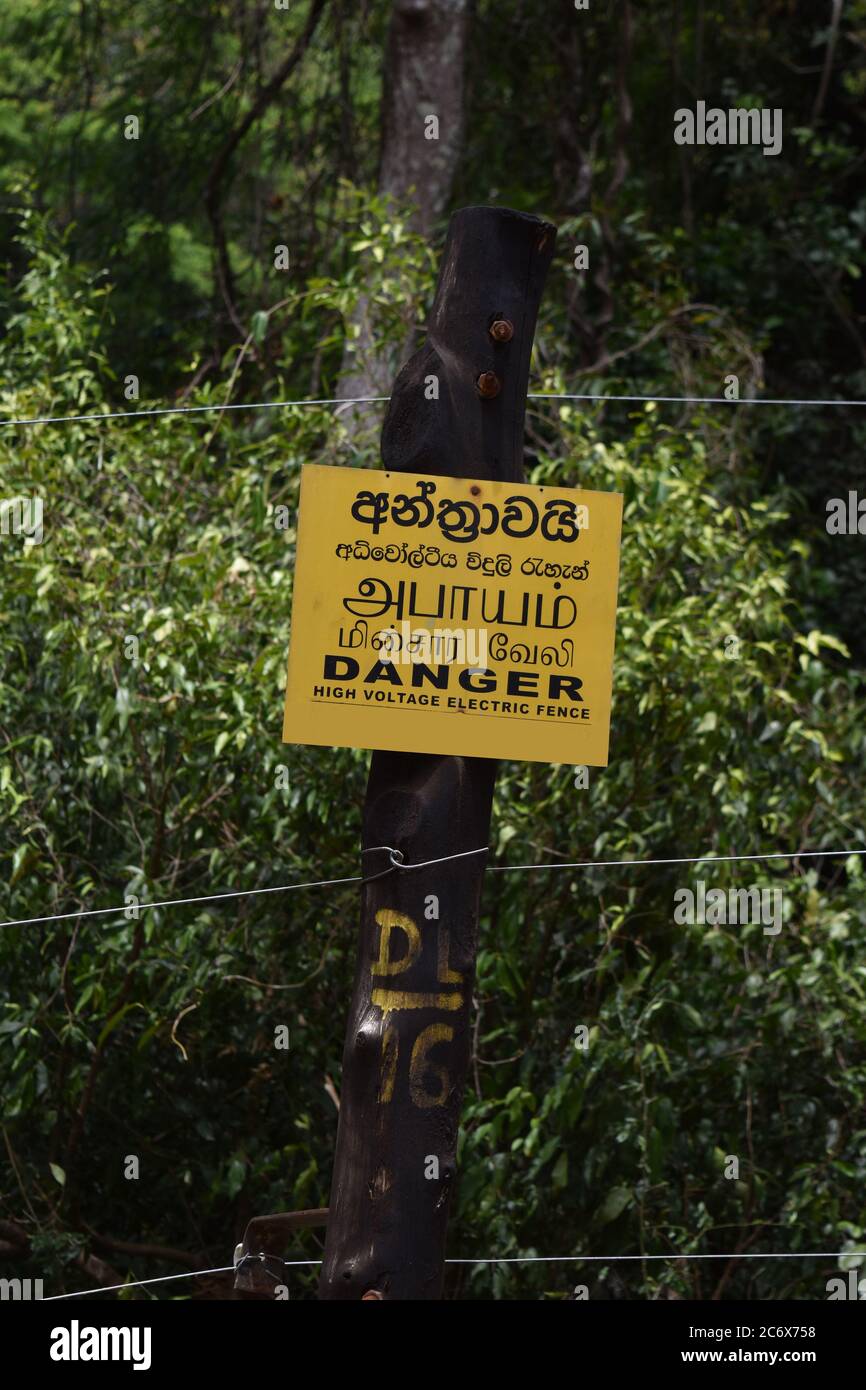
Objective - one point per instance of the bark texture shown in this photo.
(423, 78)
(408, 1039)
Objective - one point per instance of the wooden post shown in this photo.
(408, 1038)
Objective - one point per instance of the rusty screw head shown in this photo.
(488, 385)
(501, 331)
(372, 1296)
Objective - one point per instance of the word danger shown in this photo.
(481, 681)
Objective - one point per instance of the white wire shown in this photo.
(397, 863)
(611, 1259)
(185, 410)
(178, 902)
(687, 400)
(620, 863)
(138, 1283)
(701, 859)
(425, 863)
(492, 1260)
(365, 400)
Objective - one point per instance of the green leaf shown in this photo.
(259, 325)
(613, 1205)
(115, 1020)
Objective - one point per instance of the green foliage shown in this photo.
(149, 769)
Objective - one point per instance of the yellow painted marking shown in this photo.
(390, 1000)
(420, 1065)
(388, 1070)
(391, 921)
(446, 975)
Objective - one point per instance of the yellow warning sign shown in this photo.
(449, 615)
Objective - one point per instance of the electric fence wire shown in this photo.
(396, 859)
(490, 1260)
(375, 400)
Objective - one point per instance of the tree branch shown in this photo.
(828, 60)
(219, 168)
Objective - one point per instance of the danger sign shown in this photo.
(449, 615)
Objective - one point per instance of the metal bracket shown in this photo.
(257, 1269)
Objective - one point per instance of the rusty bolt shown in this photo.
(372, 1296)
(488, 385)
(501, 331)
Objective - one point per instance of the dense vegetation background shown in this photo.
(154, 258)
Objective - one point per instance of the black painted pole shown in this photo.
(408, 1038)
